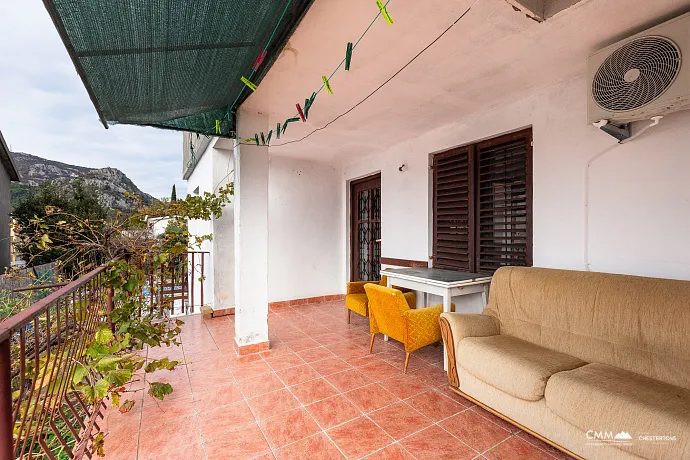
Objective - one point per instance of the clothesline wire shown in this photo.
(385, 82)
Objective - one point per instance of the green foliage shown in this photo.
(113, 358)
(173, 195)
(48, 220)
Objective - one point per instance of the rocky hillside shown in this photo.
(110, 183)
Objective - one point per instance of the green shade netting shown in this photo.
(172, 63)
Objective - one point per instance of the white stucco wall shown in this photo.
(639, 191)
(306, 230)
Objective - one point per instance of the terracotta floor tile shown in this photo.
(497, 420)
(213, 398)
(330, 366)
(371, 397)
(173, 435)
(158, 412)
(313, 391)
(211, 380)
(435, 405)
(233, 360)
(359, 437)
(333, 411)
(542, 445)
(446, 391)
(436, 444)
(298, 374)
(474, 430)
(273, 403)
(289, 427)
(219, 422)
(399, 420)
(260, 385)
(328, 339)
(348, 380)
(284, 361)
(250, 370)
(392, 452)
(121, 446)
(245, 443)
(317, 447)
(191, 452)
(303, 344)
(404, 386)
(516, 448)
(380, 370)
(315, 354)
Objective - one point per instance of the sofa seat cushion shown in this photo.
(604, 398)
(515, 366)
(358, 303)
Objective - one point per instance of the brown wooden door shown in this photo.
(365, 210)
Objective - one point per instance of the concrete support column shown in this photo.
(251, 236)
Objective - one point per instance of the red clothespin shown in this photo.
(259, 60)
(301, 114)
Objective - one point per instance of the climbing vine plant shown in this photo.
(115, 356)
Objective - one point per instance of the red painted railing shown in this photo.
(41, 415)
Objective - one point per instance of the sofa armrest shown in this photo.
(421, 327)
(457, 326)
(356, 287)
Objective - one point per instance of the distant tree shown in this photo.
(173, 195)
(49, 203)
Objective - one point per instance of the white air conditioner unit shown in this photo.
(642, 76)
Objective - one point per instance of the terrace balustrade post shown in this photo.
(110, 307)
(6, 437)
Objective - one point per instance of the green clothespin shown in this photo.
(268, 138)
(289, 120)
(278, 131)
(308, 103)
(249, 84)
(348, 56)
(263, 140)
(326, 84)
(217, 126)
(384, 12)
(256, 138)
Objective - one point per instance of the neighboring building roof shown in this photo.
(6, 160)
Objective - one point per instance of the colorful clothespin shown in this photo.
(259, 60)
(248, 140)
(307, 105)
(278, 131)
(384, 12)
(249, 84)
(289, 120)
(268, 138)
(326, 84)
(217, 126)
(301, 114)
(348, 56)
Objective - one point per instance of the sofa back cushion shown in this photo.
(635, 323)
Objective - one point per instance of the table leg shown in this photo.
(446, 308)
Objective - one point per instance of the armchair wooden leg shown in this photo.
(407, 361)
(371, 344)
(349, 312)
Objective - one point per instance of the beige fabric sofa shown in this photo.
(575, 357)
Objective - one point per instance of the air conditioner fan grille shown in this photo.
(636, 74)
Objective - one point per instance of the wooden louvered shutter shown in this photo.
(453, 210)
(504, 202)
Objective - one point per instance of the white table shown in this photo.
(444, 283)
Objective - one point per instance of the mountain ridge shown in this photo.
(110, 184)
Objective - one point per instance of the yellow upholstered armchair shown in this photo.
(390, 314)
(356, 298)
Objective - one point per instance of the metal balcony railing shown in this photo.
(41, 413)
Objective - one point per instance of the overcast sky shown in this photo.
(45, 110)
